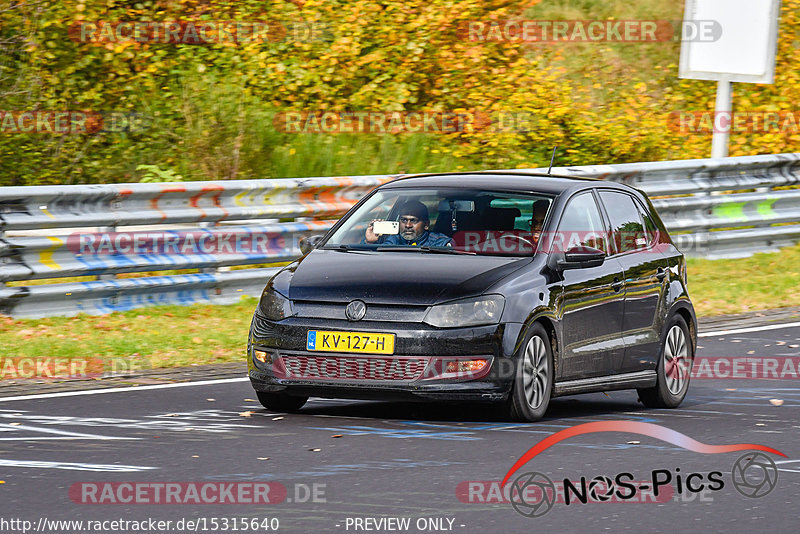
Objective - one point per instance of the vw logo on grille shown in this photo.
(356, 310)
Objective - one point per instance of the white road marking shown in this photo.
(121, 390)
(746, 330)
(65, 434)
(782, 466)
(74, 466)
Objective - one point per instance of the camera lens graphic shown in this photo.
(601, 489)
(755, 475)
(532, 494)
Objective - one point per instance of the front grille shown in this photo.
(393, 368)
(375, 312)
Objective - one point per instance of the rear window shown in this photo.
(627, 226)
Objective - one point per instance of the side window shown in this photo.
(649, 225)
(581, 225)
(626, 222)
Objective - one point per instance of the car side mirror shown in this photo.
(307, 244)
(582, 258)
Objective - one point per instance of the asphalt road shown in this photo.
(358, 466)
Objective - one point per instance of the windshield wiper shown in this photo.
(427, 250)
(343, 248)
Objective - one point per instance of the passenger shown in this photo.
(539, 213)
(414, 224)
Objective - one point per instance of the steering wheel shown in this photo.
(515, 236)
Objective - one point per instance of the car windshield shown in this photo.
(456, 221)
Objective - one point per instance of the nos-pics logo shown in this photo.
(533, 494)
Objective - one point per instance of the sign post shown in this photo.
(743, 52)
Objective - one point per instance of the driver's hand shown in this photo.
(370, 234)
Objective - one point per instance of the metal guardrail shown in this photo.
(706, 204)
(101, 231)
(713, 208)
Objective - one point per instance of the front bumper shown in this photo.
(416, 370)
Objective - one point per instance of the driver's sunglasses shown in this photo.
(409, 220)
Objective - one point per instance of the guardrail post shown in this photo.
(107, 229)
(213, 270)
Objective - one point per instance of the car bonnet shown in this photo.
(413, 278)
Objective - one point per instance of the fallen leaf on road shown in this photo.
(264, 458)
(277, 418)
(336, 436)
(315, 450)
(634, 442)
(760, 424)
(245, 414)
(211, 400)
(776, 402)
(14, 424)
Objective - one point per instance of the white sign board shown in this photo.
(745, 50)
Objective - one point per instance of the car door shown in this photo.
(591, 303)
(645, 271)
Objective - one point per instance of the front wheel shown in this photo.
(674, 367)
(280, 402)
(533, 383)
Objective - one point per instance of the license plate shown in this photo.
(353, 342)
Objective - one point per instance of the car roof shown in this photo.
(502, 180)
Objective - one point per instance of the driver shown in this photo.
(414, 224)
(537, 221)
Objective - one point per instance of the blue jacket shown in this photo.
(427, 239)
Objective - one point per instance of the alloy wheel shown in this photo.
(676, 360)
(535, 371)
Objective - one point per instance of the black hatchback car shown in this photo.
(497, 287)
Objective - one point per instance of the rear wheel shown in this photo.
(674, 367)
(280, 402)
(533, 383)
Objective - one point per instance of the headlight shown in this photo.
(275, 306)
(467, 312)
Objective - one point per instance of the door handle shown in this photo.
(661, 273)
(617, 284)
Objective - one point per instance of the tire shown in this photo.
(674, 367)
(533, 381)
(280, 402)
